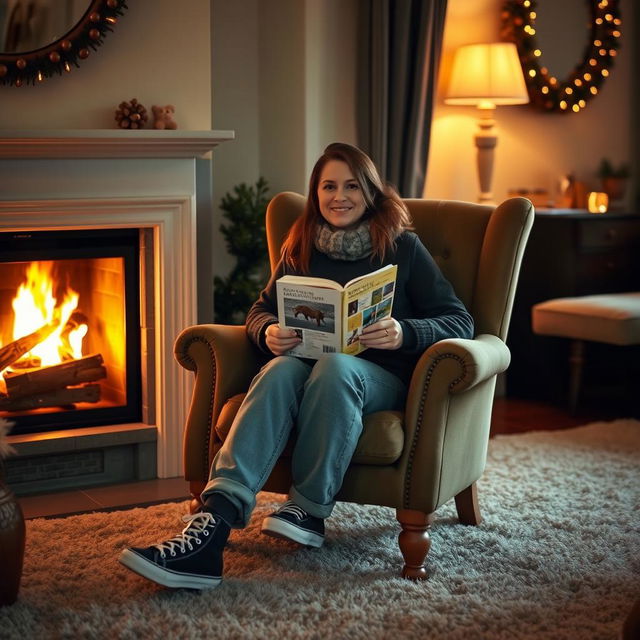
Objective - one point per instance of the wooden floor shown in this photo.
(509, 416)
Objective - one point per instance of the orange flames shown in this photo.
(35, 307)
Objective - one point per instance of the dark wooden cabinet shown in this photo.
(570, 254)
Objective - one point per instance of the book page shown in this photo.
(315, 313)
(367, 300)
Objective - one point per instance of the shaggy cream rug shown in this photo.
(557, 557)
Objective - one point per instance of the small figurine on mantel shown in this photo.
(163, 117)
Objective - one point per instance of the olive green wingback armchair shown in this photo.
(413, 461)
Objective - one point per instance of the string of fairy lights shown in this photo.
(584, 82)
(33, 67)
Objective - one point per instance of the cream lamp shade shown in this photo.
(486, 75)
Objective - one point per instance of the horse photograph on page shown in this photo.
(314, 316)
(309, 312)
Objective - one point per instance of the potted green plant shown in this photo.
(12, 529)
(613, 178)
(246, 239)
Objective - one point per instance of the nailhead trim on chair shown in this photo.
(205, 461)
(423, 397)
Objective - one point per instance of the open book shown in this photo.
(329, 317)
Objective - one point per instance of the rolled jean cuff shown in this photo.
(313, 508)
(243, 499)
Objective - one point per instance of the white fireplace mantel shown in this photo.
(109, 143)
(79, 179)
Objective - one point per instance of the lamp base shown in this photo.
(486, 140)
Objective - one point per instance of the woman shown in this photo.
(352, 224)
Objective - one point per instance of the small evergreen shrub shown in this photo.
(246, 239)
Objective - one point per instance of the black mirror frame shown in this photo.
(584, 82)
(31, 67)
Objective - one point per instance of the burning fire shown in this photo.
(35, 307)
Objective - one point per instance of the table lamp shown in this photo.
(486, 75)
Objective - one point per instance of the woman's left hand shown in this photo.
(384, 334)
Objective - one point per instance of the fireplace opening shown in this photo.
(70, 328)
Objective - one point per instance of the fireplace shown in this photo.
(69, 329)
(87, 207)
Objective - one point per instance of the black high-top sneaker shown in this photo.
(191, 560)
(292, 522)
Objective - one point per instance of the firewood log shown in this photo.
(57, 398)
(14, 350)
(58, 376)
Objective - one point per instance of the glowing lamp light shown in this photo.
(486, 76)
(598, 202)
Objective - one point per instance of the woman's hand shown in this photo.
(384, 334)
(280, 340)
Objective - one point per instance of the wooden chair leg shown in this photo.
(576, 362)
(467, 505)
(196, 487)
(414, 542)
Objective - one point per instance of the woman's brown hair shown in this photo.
(387, 214)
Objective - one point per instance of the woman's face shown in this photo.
(340, 197)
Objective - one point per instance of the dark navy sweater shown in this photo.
(424, 303)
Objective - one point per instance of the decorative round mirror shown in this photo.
(523, 22)
(41, 38)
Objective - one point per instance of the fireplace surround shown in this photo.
(150, 183)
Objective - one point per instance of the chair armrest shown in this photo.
(224, 361)
(447, 417)
(478, 359)
(448, 368)
(227, 341)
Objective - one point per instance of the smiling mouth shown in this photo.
(340, 209)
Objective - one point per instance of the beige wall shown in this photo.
(307, 59)
(282, 110)
(331, 56)
(159, 53)
(534, 148)
(284, 80)
(235, 106)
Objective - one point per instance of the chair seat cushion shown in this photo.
(611, 318)
(380, 443)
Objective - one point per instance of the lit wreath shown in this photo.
(584, 82)
(34, 66)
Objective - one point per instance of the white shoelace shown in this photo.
(293, 509)
(197, 524)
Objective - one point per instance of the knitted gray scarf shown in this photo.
(352, 244)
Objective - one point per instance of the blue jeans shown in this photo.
(323, 407)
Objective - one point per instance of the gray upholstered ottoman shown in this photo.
(612, 318)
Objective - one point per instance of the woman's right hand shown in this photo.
(280, 340)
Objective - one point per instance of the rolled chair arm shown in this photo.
(478, 359)
(229, 342)
(224, 361)
(447, 417)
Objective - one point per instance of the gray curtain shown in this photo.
(635, 105)
(400, 43)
